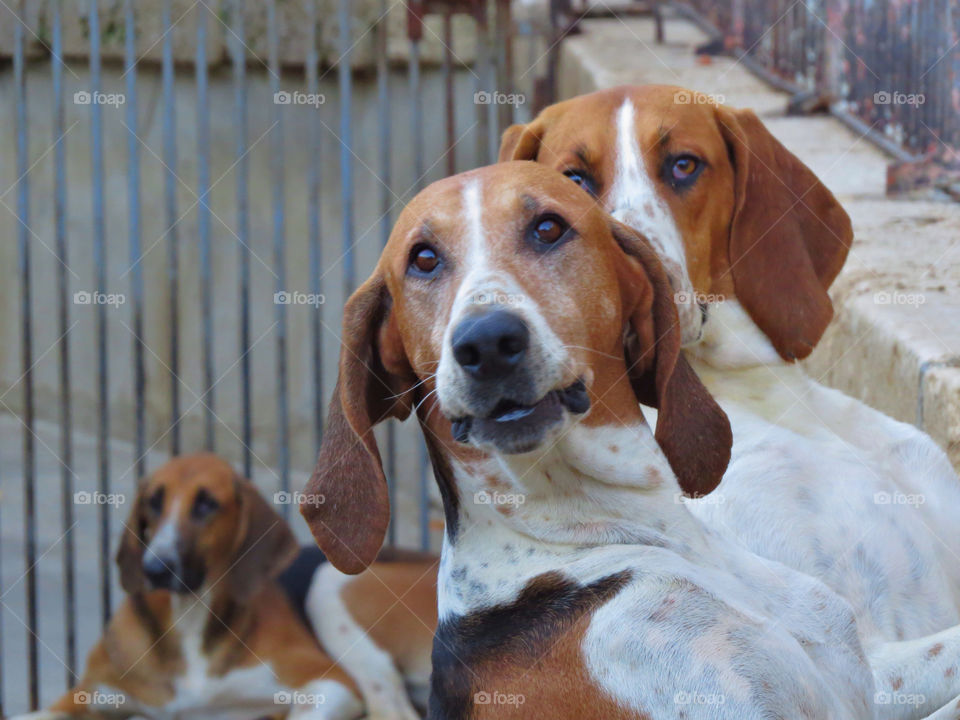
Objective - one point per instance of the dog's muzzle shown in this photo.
(493, 349)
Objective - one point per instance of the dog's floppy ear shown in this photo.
(521, 142)
(265, 544)
(132, 544)
(789, 236)
(692, 429)
(352, 511)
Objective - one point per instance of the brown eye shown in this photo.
(424, 260)
(684, 167)
(156, 501)
(549, 230)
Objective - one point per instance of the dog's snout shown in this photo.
(491, 344)
(159, 570)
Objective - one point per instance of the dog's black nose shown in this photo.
(159, 571)
(490, 345)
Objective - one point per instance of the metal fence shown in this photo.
(890, 67)
(126, 334)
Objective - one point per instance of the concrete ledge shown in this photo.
(895, 340)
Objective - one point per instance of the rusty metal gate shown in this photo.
(888, 68)
(191, 191)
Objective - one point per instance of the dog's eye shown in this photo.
(203, 505)
(424, 260)
(682, 170)
(583, 180)
(156, 501)
(547, 231)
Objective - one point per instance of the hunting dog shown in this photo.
(220, 613)
(522, 325)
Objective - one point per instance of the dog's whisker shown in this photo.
(593, 350)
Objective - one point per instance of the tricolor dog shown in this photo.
(522, 325)
(752, 240)
(211, 630)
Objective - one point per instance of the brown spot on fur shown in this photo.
(934, 651)
(950, 672)
(897, 683)
(530, 647)
(614, 448)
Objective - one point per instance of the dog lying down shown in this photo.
(223, 612)
(525, 327)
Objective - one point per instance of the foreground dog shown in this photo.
(208, 629)
(524, 324)
(752, 240)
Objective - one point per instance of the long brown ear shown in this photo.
(351, 511)
(266, 546)
(692, 429)
(789, 237)
(521, 142)
(132, 545)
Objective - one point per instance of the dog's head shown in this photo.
(196, 525)
(505, 306)
(730, 211)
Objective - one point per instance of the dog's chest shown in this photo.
(817, 481)
(200, 687)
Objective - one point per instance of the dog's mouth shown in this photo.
(513, 427)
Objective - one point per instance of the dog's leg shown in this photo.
(913, 677)
(325, 700)
(383, 689)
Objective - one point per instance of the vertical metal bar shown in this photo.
(170, 203)
(313, 222)
(345, 80)
(416, 114)
(482, 83)
(239, 62)
(203, 226)
(276, 172)
(100, 268)
(450, 111)
(383, 111)
(133, 200)
(504, 65)
(63, 317)
(26, 361)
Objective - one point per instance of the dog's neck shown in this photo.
(593, 488)
(732, 341)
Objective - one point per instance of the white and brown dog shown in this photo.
(211, 630)
(524, 324)
(752, 240)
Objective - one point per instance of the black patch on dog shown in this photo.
(295, 580)
(548, 606)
